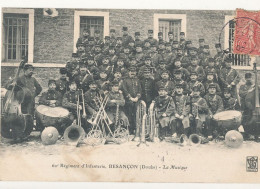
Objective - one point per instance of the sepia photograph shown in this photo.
(154, 95)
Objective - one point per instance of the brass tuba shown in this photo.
(140, 112)
(195, 139)
(152, 126)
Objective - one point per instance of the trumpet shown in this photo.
(84, 115)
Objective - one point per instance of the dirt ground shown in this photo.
(151, 162)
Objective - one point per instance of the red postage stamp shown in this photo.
(247, 32)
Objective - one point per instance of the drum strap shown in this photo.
(229, 72)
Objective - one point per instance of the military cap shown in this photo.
(92, 82)
(126, 47)
(114, 83)
(112, 30)
(196, 88)
(193, 73)
(138, 45)
(167, 44)
(212, 85)
(120, 57)
(210, 73)
(162, 87)
(248, 75)
(206, 46)
(147, 41)
(111, 47)
(165, 71)
(162, 62)
(170, 32)
(74, 55)
(147, 58)
(201, 40)
(188, 42)
(105, 57)
(97, 45)
(119, 38)
(107, 37)
(137, 33)
(217, 45)
(132, 69)
(228, 60)
(72, 82)
(28, 66)
(177, 59)
(193, 48)
(150, 31)
(51, 81)
(90, 58)
(132, 58)
(194, 58)
(63, 71)
(177, 72)
(182, 33)
(175, 42)
(226, 90)
(211, 60)
(124, 28)
(179, 48)
(160, 34)
(82, 65)
(86, 30)
(91, 39)
(97, 31)
(131, 40)
(81, 44)
(117, 70)
(179, 85)
(153, 45)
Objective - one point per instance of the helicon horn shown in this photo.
(195, 139)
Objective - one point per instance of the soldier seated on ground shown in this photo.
(165, 111)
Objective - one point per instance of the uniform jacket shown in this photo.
(70, 99)
(215, 103)
(131, 87)
(199, 70)
(218, 90)
(191, 84)
(148, 90)
(182, 104)
(168, 84)
(91, 101)
(83, 81)
(51, 95)
(164, 105)
(31, 83)
(230, 104)
(227, 76)
(62, 85)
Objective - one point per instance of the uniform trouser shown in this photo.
(177, 127)
(130, 110)
(211, 126)
(197, 125)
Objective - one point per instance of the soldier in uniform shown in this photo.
(161, 68)
(195, 83)
(150, 37)
(70, 99)
(199, 111)
(119, 46)
(84, 38)
(168, 56)
(90, 47)
(182, 104)
(166, 82)
(165, 111)
(139, 55)
(211, 68)
(106, 66)
(188, 45)
(120, 65)
(210, 80)
(118, 78)
(229, 77)
(220, 53)
(147, 85)
(147, 47)
(147, 65)
(52, 97)
(194, 67)
(73, 66)
(156, 58)
(98, 39)
(98, 55)
(160, 36)
(178, 66)
(62, 84)
(204, 56)
(83, 78)
(115, 106)
(137, 39)
(178, 80)
(171, 37)
(182, 40)
(132, 93)
(229, 102)
(103, 83)
(92, 68)
(215, 104)
(28, 81)
(106, 45)
(112, 55)
(175, 46)
(112, 37)
(132, 62)
(81, 51)
(245, 89)
(126, 37)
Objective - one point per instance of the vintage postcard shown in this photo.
(130, 95)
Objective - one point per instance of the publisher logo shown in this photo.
(252, 164)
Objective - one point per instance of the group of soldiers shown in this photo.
(187, 85)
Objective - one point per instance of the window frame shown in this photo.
(30, 13)
(157, 17)
(78, 14)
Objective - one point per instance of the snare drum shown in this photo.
(52, 116)
(228, 120)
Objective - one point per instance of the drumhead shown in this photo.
(226, 115)
(52, 111)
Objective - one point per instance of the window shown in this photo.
(15, 42)
(238, 59)
(92, 20)
(17, 35)
(169, 22)
(166, 26)
(92, 23)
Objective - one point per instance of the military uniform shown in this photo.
(51, 95)
(184, 84)
(197, 84)
(72, 67)
(69, 101)
(208, 83)
(126, 38)
(148, 90)
(168, 85)
(199, 70)
(245, 89)
(62, 86)
(91, 101)
(83, 81)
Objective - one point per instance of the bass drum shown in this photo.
(228, 120)
(57, 117)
